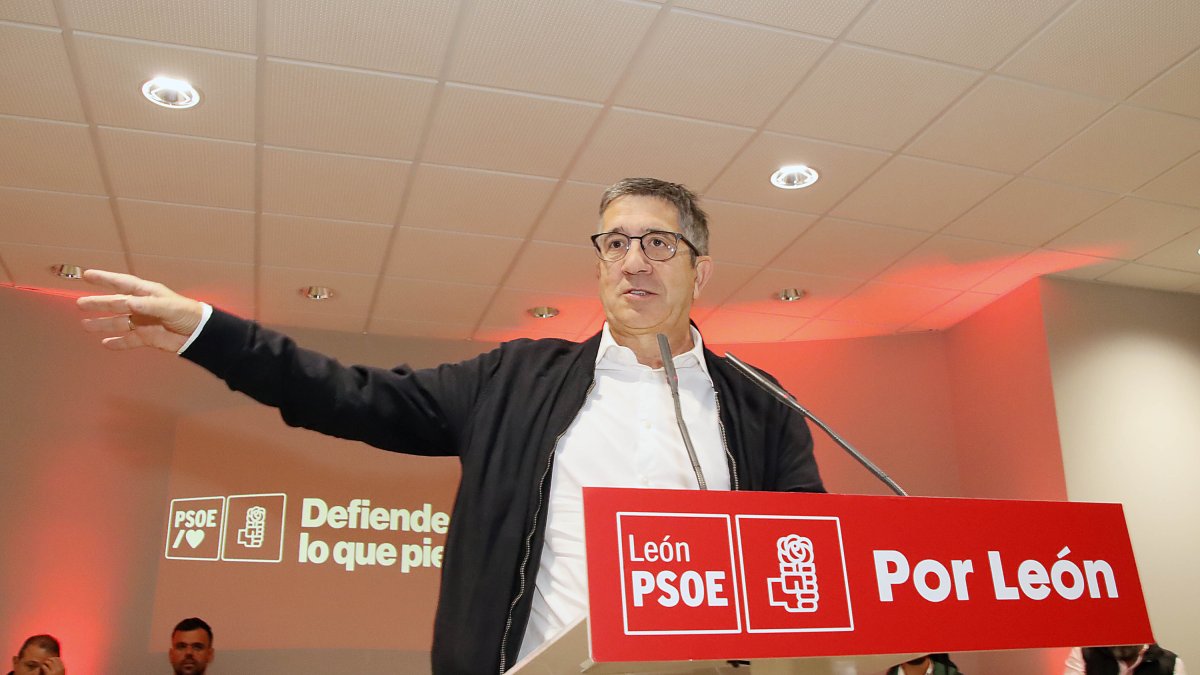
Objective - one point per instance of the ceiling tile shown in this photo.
(952, 312)
(690, 56)
(33, 265)
(508, 132)
(476, 202)
(423, 329)
(573, 215)
(342, 110)
(48, 156)
(1144, 276)
(420, 300)
(113, 71)
(555, 268)
(1128, 229)
(179, 169)
(507, 316)
(450, 256)
(845, 248)
(951, 262)
(1029, 212)
(323, 185)
(57, 219)
(1123, 150)
(846, 96)
(227, 285)
(216, 24)
(401, 37)
(751, 235)
(1180, 185)
(342, 323)
(842, 167)
(1181, 254)
(279, 290)
(728, 326)
(1041, 262)
(1006, 125)
(318, 244)
(889, 304)
(724, 280)
(828, 18)
(823, 329)
(197, 232)
(975, 33)
(632, 143)
(29, 11)
(919, 193)
(1175, 90)
(504, 44)
(1108, 47)
(33, 79)
(761, 294)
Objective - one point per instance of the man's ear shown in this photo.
(704, 269)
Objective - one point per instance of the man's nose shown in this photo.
(635, 260)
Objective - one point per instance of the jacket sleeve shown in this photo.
(418, 412)
(797, 465)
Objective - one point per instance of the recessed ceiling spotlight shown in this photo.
(790, 294)
(544, 312)
(317, 292)
(170, 93)
(794, 177)
(68, 271)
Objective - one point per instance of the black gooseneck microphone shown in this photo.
(664, 348)
(790, 401)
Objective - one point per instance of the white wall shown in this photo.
(1125, 365)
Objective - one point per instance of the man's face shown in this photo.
(190, 652)
(643, 296)
(35, 661)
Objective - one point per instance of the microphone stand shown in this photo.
(790, 401)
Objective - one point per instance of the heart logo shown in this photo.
(194, 537)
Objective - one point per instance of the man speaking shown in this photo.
(532, 422)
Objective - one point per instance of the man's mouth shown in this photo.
(638, 292)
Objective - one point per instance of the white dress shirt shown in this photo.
(624, 436)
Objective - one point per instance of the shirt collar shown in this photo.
(612, 355)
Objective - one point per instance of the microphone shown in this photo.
(664, 348)
(790, 401)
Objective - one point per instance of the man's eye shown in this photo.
(615, 243)
(658, 241)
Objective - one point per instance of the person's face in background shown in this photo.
(191, 651)
(35, 660)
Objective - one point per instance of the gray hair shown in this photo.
(692, 219)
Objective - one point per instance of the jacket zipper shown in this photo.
(529, 537)
(733, 473)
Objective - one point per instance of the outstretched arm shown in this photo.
(141, 313)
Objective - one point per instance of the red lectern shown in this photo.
(683, 581)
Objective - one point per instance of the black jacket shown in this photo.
(502, 414)
(1156, 661)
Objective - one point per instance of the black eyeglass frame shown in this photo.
(674, 250)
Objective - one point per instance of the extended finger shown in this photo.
(108, 324)
(115, 304)
(123, 283)
(123, 342)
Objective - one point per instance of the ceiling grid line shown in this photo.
(588, 136)
(415, 165)
(93, 130)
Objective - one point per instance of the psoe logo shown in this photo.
(781, 559)
(795, 589)
(232, 528)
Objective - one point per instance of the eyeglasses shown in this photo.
(657, 245)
